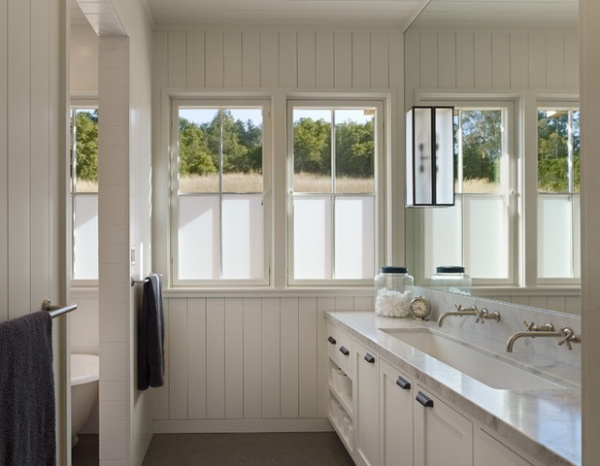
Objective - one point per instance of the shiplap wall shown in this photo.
(246, 362)
(498, 60)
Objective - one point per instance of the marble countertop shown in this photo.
(544, 423)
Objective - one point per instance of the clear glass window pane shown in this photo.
(479, 139)
(355, 150)
(85, 150)
(312, 238)
(312, 150)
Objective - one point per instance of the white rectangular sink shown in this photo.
(470, 361)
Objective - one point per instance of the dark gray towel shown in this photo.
(27, 411)
(151, 335)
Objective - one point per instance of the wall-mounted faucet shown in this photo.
(471, 311)
(567, 335)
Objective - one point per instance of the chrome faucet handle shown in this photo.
(481, 314)
(539, 328)
(569, 336)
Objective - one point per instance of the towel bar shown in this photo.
(134, 281)
(56, 311)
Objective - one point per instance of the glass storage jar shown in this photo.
(392, 299)
(451, 278)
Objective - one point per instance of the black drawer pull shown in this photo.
(370, 358)
(331, 340)
(403, 383)
(344, 351)
(424, 400)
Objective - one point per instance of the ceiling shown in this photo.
(168, 13)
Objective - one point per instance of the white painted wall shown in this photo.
(33, 135)
(257, 360)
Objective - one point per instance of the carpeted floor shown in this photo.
(248, 449)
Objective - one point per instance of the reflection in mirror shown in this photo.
(511, 71)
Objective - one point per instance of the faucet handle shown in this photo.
(569, 336)
(539, 328)
(530, 327)
(480, 314)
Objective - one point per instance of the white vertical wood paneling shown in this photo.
(177, 58)
(571, 61)
(447, 60)
(215, 358)
(306, 59)
(361, 60)
(288, 59)
(234, 358)
(483, 60)
(252, 358)
(325, 59)
(500, 60)
(555, 61)
(411, 69)
(232, 59)
(195, 58)
(4, 161)
(323, 305)
(519, 60)
(465, 61)
(251, 59)
(161, 394)
(308, 362)
(289, 357)
(380, 60)
(343, 59)
(429, 61)
(269, 54)
(19, 150)
(213, 52)
(537, 60)
(178, 359)
(196, 340)
(271, 358)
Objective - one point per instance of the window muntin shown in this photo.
(559, 209)
(218, 193)
(84, 191)
(482, 214)
(333, 199)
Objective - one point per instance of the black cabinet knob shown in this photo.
(403, 383)
(344, 351)
(424, 400)
(331, 340)
(370, 358)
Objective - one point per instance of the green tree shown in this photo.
(355, 149)
(481, 143)
(194, 155)
(312, 146)
(86, 146)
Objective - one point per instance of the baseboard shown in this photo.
(186, 426)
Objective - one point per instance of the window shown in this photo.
(477, 232)
(218, 188)
(84, 191)
(558, 193)
(334, 148)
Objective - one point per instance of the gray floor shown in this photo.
(256, 449)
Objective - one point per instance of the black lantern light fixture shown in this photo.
(430, 156)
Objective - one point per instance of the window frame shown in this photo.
(511, 193)
(380, 160)
(78, 102)
(175, 102)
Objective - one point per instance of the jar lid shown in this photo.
(450, 269)
(393, 269)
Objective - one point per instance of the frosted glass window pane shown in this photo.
(85, 237)
(423, 162)
(243, 237)
(577, 236)
(555, 227)
(443, 237)
(486, 237)
(198, 242)
(312, 238)
(444, 156)
(354, 237)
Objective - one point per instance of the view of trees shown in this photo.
(86, 146)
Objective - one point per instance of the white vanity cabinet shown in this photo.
(367, 405)
(489, 451)
(395, 416)
(441, 434)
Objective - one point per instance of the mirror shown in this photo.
(522, 57)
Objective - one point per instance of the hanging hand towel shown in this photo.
(27, 406)
(151, 334)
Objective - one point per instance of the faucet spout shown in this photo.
(511, 341)
(547, 330)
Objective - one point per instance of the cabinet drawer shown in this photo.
(339, 348)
